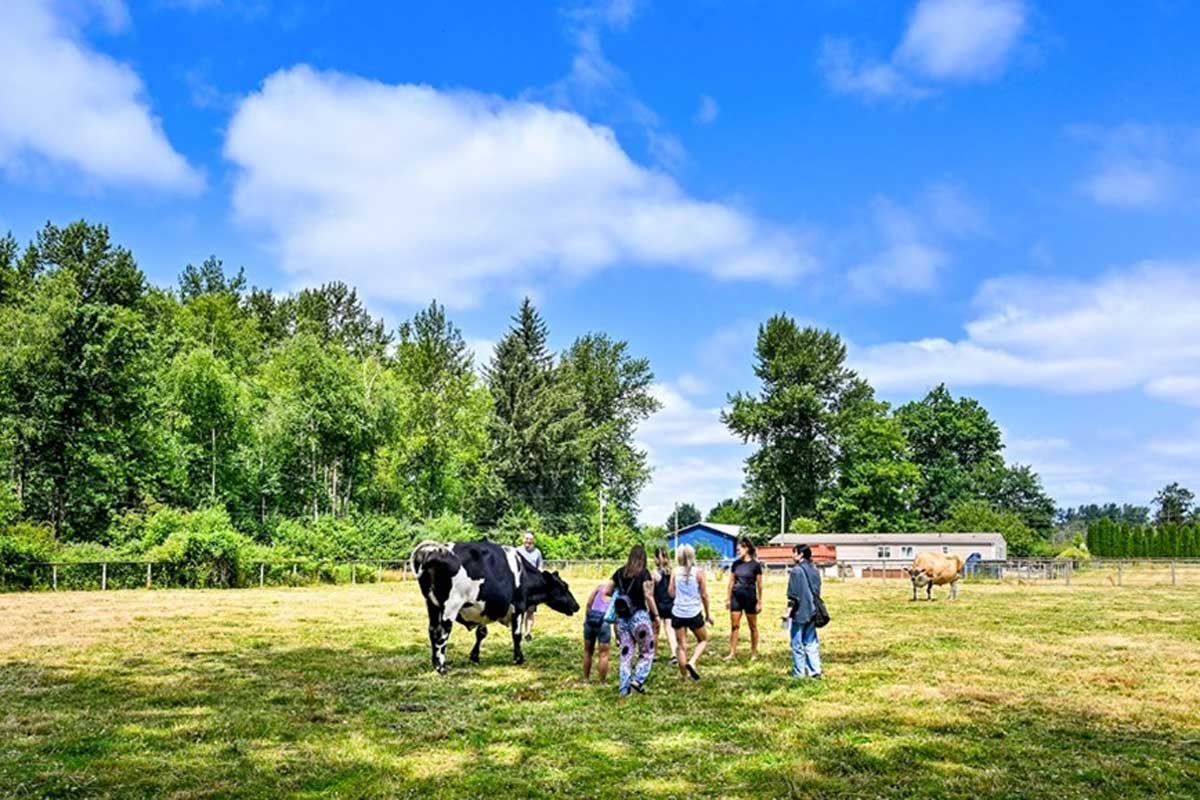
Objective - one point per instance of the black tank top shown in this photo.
(662, 590)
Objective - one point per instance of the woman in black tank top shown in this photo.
(663, 599)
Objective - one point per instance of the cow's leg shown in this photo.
(517, 623)
(480, 635)
(929, 591)
(439, 633)
(954, 589)
(914, 588)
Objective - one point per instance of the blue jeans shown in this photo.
(806, 650)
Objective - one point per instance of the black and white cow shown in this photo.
(480, 583)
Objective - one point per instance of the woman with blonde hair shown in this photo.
(689, 588)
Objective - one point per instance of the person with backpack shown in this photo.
(632, 590)
(806, 612)
(597, 634)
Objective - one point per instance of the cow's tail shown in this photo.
(424, 551)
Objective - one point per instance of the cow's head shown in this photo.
(558, 594)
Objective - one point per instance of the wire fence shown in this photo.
(112, 575)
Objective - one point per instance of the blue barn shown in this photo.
(722, 538)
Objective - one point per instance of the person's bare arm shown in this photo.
(702, 582)
(671, 585)
(758, 583)
(608, 589)
(648, 593)
(729, 587)
(592, 598)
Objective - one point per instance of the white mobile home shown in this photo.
(873, 554)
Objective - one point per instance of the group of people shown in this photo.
(643, 604)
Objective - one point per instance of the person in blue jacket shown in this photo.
(804, 584)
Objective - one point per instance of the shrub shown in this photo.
(200, 548)
(21, 546)
(804, 525)
(707, 552)
(1073, 554)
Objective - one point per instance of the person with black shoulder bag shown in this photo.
(807, 612)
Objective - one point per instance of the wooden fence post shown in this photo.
(261, 569)
(354, 573)
(1173, 583)
(1120, 573)
(104, 577)
(149, 573)
(1067, 571)
(54, 576)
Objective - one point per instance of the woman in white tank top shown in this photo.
(689, 587)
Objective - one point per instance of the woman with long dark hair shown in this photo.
(744, 595)
(635, 613)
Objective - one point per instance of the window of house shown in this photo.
(883, 551)
(906, 551)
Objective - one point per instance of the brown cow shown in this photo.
(929, 569)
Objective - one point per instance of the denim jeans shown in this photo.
(806, 650)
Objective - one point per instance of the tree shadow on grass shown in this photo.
(261, 721)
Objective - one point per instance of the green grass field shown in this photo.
(1013, 691)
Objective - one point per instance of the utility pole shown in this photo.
(676, 524)
(782, 515)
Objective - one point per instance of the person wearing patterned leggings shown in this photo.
(636, 612)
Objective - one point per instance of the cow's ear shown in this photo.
(556, 573)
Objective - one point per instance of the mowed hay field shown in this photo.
(1012, 691)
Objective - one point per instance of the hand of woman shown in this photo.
(758, 607)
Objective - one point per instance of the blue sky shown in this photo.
(1000, 194)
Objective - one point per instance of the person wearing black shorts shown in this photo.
(689, 590)
(744, 595)
(662, 599)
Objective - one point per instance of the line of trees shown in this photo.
(1109, 539)
(845, 461)
(122, 402)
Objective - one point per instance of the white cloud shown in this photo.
(679, 423)
(849, 73)
(945, 41)
(707, 113)
(694, 457)
(1184, 389)
(410, 193)
(961, 39)
(1137, 328)
(907, 262)
(1133, 167)
(910, 255)
(692, 384)
(64, 105)
(703, 480)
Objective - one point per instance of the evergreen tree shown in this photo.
(536, 430)
(614, 394)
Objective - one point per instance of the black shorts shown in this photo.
(664, 612)
(691, 623)
(744, 600)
